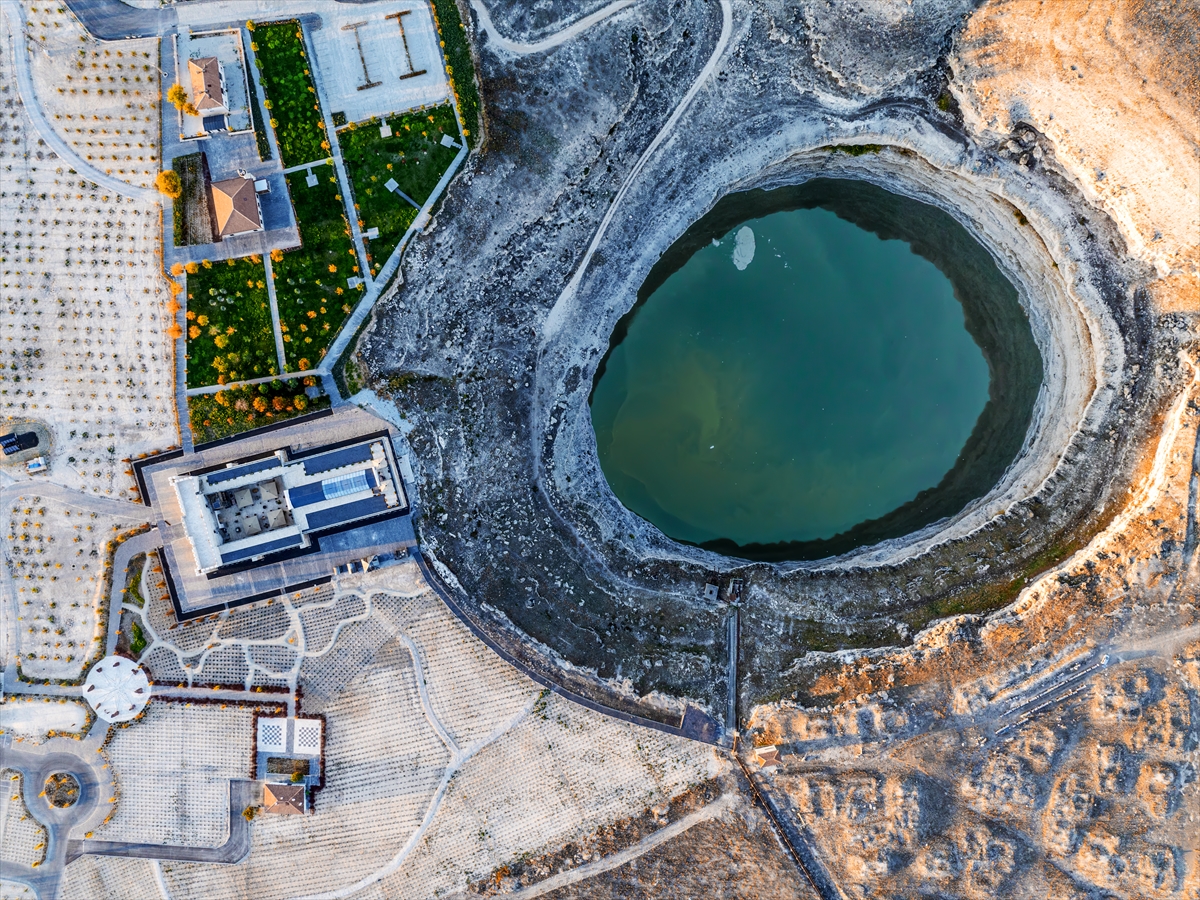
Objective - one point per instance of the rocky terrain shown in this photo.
(1003, 703)
(603, 150)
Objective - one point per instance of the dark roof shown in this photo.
(347, 512)
(284, 543)
(236, 205)
(206, 83)
(768, 756)
(232, 472)
(306, 494)
(284, 799)
(335, 459)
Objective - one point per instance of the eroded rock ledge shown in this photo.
(492, 362)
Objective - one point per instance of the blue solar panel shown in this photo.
(306, 494)
(261, 465)
(335, 459)
(284, 543)
(347, 512)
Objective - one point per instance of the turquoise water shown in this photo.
(827, 383)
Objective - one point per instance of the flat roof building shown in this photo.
(277, 510)
(236, 205)
(249, 510)
(208, 88)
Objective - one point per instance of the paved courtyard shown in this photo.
(390, 67)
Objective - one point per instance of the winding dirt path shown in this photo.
(521, 48)
(558, 313)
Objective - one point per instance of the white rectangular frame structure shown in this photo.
(272, 735)
(307, 736)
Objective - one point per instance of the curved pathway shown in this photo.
(694, 725)
(629, 854)
(235, 848)
(126, 551)
(35, 767)
(457, 761)
(77, 500)
(521, 48)
(20, 55)
(112, 20)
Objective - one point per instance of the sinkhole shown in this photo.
(813, 369)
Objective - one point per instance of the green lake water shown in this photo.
(785, 397)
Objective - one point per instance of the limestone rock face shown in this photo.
(868, 49)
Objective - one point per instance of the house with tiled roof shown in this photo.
(284, 799)
(208, 85)
(236, 205)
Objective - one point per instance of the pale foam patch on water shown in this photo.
(743, 248)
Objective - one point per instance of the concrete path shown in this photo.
(77, 500)
(20, 55)
(383, 279)
(520, 48)
(213, 388)
(235, 849)
(308, 165)
(731, 721)
(280, 355)
(112, 20)
(78, 759)
(795, 837)
(12, 685)
(339, 166)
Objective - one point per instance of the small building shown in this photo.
(236, 204)
(769, 758)
(208, 85)
(284, 799)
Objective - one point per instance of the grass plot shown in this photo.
(291, 97)
(230, 337)
(234, 410)
(414, 157)
(311, 281)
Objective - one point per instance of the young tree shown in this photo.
(168, 183)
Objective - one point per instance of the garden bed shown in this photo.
(234, 410)
(257, 118)
(460, 67)
(291, 97)
(230, 336)
(413, 157)
(193, 220)
(310, 281)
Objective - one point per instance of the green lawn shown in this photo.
(291, 97)
(313, 300)
(413, 156)
(462, 69)
(234, 410)
(229, 323)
